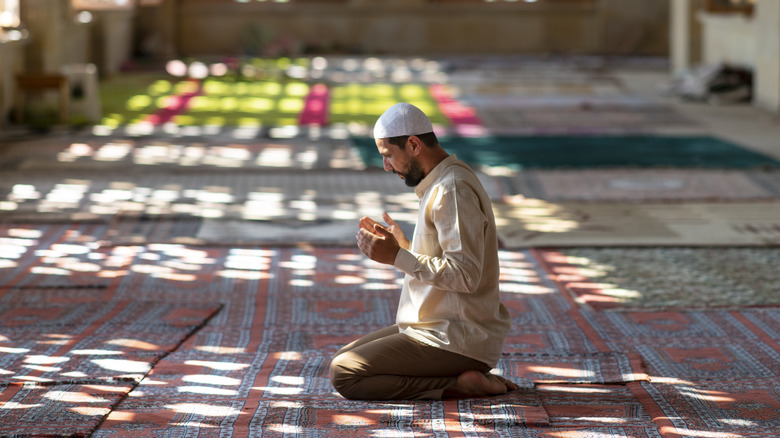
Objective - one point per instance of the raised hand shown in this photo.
(377, 242)
(396, 230)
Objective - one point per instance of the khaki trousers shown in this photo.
(388, 365)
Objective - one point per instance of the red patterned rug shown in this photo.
(65, 364)
(72, 410)
(289, 392)
(37, 256)
(723, 408)
(133, 356)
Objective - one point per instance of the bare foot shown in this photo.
(510, 385)
(475, 384)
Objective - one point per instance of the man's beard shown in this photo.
(413, 175)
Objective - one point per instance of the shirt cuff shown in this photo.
(405, 261)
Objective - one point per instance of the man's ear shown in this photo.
(416, 144)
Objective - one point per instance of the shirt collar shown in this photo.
(433, 175)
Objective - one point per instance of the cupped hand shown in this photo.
(377, 242)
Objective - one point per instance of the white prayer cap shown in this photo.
(402, 119)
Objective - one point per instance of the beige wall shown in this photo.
(416, 27)
(729, 39)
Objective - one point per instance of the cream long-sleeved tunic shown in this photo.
(450, 297)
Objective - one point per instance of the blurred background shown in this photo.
(46, 43)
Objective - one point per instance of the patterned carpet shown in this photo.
(276, 315)
(643, 185)
(668, 277)
(194, 277)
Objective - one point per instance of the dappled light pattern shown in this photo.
(260, 362)
(188, 266)
(693, 278)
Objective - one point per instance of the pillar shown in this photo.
(685, 35)
(767, 65)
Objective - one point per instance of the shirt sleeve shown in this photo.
(452, 253)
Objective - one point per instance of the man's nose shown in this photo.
(386, 164)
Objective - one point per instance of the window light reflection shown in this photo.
(45, 360)
(225, 366)
(202, 409)
(540, 216)
(9, 350)
(73, 397)
(220, 350)
(134, 343)
(121, 365)
(42, 368)
(14, 405)
(562, 372)
(211, 380)
(95, 352)
(90, 411)
(206, 390)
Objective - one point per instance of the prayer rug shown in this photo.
(133, 98)
(176, 104)
(593, 405)
(766, 320)
(285, 391)
(315, 109)
(92, 341)
(768, 180)
(604, 368)
(729, 408)
(288, 232)
(37, 255)
(130, 98)
(647, 325)
(73, 410)
(171, 152)
(362, 104)
(463, 118)
(264, 368)
(526, 223)
(554, 339)
(65, 365)
(653, 278)
(583, 120)
(640, 185)
(282, 415)
(128, 230)
(705, 359)
(577, 152)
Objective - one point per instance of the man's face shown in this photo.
(400, 161)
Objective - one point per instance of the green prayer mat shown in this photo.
(591, 151)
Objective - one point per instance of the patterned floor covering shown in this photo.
(193, 278)
(276, 315)
(609, 278)
(287, 191)
(536, 223)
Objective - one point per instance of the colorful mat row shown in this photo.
(149, 99)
